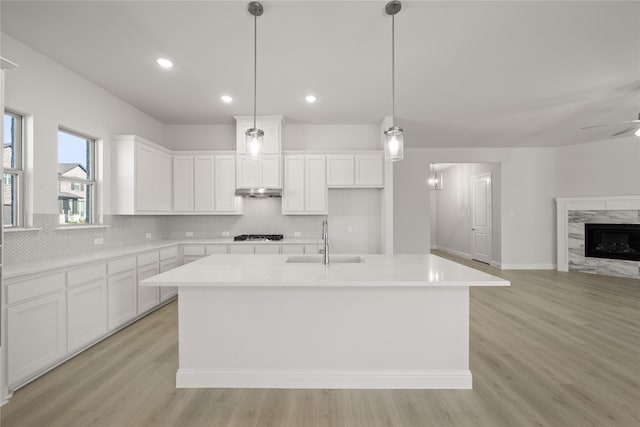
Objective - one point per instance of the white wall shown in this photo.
(332, 137)
(603, 168)
(453, 216)
(527, 212)
(200, 137)
(53, 96)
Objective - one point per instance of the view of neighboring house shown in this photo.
(72, 195)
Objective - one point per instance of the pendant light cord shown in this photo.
(393, 69)
(255, 66)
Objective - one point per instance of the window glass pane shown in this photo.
(10, 134)
(9, 194)
(74, 202)
(74, 156)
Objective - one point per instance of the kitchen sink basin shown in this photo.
(317, 259)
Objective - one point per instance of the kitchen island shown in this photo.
(281, 321)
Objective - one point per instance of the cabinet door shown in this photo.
(36, 335)
(144, 178)
(316, 185)
(122, 297)
(369, 170)
(167, 292)
(87, 315)
(271, 139)
(183, 183)
(340, 170)
(270, 171)
(225, 185)
(247, 172)
(162, 181)
(147, 295)
(204, 185)
(294, 188)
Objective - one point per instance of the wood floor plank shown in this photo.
(554, 350)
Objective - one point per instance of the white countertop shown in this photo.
(53, 263)
(376, 271)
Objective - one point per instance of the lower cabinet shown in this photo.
(167, 292)
(36, 335)
(147, 295)
(87, 312)
(122, 297)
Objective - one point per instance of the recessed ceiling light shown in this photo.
(164, 63)
(226, 98)
(310, 99)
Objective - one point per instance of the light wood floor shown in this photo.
(555, 349)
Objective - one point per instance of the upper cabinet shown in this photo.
(205, 184)
(266, 171)
(305, 185)
(142, 176)
(355, 170)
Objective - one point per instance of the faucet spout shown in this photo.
(325, 242)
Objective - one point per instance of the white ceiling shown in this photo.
(468, 73)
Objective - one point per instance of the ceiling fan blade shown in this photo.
(611, 124)
(622, 132)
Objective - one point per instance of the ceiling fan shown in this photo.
(635, 127)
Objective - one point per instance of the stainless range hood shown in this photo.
(259, 192)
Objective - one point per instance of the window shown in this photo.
(76, 178)
(12, 163)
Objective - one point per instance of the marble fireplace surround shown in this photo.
(574, 212)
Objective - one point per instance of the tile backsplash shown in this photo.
(354, 224)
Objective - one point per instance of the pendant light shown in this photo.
(435, 180)
(393, 144)
(254, 135)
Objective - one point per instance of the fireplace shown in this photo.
(612, 241)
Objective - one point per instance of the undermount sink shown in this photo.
(317, 259)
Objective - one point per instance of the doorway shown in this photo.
(465, 210)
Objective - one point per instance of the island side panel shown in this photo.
(301, 337)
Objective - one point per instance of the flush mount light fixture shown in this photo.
(310, 99)
(393, 144)
(164, 63)
(226, 98)
(254, 135)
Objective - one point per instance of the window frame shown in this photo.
(90, 184)
(17, 171)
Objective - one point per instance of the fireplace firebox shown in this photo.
(613, 241)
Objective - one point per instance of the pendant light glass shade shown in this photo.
(254, 138)
(393, 144)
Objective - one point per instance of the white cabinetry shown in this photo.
(148, 296)
(168, 261)
(205, 184)
(87, 311)
(36, 335)
(183, 182)
(121, 291)
(142, 176)
(305, 185)
(355, 170)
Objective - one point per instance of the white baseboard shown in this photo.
(496, 264)
(528, 266)
(423, 379)
(454, 252)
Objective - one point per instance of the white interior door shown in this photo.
(481, 217)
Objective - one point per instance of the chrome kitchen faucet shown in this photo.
(325, 238)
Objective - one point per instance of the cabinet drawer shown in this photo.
(216, 249)
(193, 250)
(146, 259)
(292, 249)
(168, 253)
(311, 249)
(34, 287)
(86, 274)
(267, 249)
(168, 265)
(241, 249)
(120, 265)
